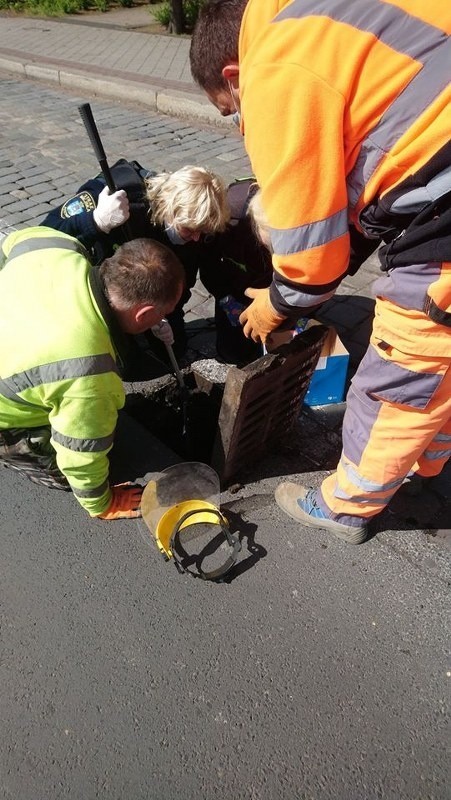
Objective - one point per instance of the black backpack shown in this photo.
(129, 175)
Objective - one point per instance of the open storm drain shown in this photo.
(229, 417)
(186, 422)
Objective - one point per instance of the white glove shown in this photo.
(112, 210)
(163, 331)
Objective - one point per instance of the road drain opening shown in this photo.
(233, 416)
(186, 422)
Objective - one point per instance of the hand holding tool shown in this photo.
(163, 332)
(91, 129)
(113, 209)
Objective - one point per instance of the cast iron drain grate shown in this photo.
(262, 402)
(231, 426)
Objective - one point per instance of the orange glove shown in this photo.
(125, 502)
(260, 318)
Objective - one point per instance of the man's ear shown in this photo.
(146, 314)
(231, 72)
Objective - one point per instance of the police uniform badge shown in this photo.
(79, 204)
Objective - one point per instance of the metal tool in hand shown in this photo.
(181, 382)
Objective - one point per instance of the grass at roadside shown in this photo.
(160, 11)
(60, 7)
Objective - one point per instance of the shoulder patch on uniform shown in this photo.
(77, 205)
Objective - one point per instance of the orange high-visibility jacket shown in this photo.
(341, 101)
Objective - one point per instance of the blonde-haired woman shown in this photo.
(188, 203)
(176, 209)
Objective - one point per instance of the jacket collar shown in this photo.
(121, 340)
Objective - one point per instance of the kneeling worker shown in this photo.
(63, 325)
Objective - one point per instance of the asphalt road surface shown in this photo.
(320, 672)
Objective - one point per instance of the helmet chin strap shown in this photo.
(184, 562)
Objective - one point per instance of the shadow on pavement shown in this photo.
(252, 551)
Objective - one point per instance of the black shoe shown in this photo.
(53, 479)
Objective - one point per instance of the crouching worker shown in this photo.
(63, 325)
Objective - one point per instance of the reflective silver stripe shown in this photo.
(363, 483)
(391, 25)
(45, 243)
(98, 492)
(297, 298)
(398, 118)
(436, 455)
(83, 445)
(432, 455)
(341, 495)
(286, 241)
(442, 437)
(66, 369)
(10, 394)
(427, 44)
(416, 199)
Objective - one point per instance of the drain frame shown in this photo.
(262, 401)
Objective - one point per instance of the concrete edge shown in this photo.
(12, 65)
(172, 102)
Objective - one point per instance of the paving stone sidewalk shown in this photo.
(109, 55)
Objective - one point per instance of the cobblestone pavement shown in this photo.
(91, 52)
(45, 151)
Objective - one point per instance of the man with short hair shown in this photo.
(345, 110)
(63, 328)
